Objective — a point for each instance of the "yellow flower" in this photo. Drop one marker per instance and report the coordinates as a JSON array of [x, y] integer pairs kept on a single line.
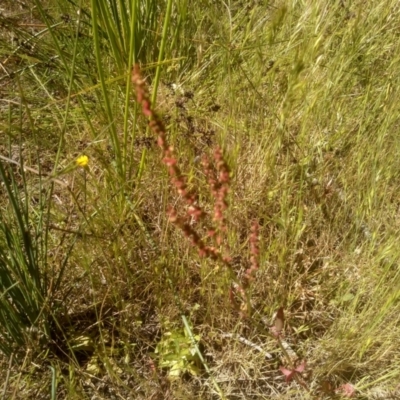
[[82, 161]]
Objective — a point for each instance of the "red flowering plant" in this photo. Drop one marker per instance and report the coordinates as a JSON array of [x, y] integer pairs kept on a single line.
[[218, 177]]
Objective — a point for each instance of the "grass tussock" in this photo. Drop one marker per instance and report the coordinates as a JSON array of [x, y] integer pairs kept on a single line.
[[221, 223]]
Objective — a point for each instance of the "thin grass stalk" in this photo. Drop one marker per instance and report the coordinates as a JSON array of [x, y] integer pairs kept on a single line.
[[10, 363], [60, 53], [167, 21], [70, 86], [53, 383], [63, 129], [108, 19], [131, 60], [96, 11], [66, 64], [126, 33]]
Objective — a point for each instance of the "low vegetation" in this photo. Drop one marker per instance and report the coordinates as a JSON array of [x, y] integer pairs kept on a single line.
[[199, 200]]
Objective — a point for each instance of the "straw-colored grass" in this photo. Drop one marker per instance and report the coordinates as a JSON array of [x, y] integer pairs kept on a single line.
[[111, 300]]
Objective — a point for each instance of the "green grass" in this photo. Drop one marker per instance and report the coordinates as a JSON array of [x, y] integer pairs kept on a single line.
[[95, 281]]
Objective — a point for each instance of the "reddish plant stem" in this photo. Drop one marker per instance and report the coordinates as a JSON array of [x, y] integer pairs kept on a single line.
[[219, 184]]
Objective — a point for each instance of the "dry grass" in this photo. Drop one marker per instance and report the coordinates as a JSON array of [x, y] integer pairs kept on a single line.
[[302, 98]]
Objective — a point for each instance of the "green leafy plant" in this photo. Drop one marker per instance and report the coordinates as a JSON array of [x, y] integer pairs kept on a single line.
[[177, 352]]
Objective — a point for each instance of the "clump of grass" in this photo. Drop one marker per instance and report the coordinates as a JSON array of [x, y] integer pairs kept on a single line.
[[28, 284]]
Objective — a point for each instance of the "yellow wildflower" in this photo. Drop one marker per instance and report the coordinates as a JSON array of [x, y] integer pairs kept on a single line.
[[82, 161]]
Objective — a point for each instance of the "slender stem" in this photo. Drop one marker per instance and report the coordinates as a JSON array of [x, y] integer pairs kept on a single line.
[[161, 53], [7, 377], [100, 68]]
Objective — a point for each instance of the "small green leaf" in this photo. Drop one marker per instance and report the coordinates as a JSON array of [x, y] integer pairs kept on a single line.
[[347, 297]]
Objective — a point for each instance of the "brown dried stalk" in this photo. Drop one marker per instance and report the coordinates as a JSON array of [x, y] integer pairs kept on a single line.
[[219, 182], [255, 255]]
